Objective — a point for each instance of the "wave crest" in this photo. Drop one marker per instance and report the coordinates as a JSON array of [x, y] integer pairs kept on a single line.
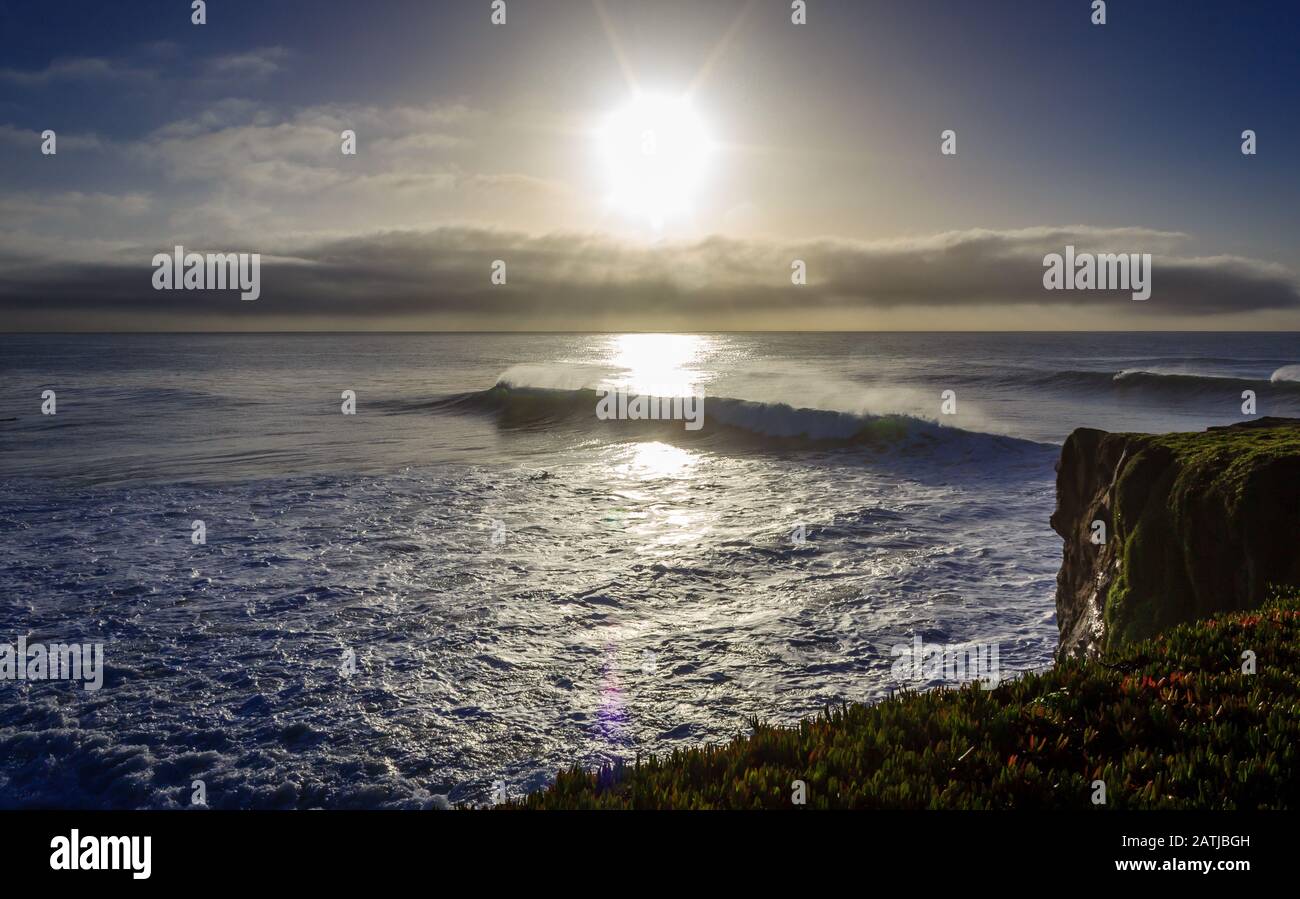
[[1173, 384], [725, 419]]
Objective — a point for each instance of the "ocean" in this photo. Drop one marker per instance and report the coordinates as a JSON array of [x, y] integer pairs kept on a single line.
[[474, 581]]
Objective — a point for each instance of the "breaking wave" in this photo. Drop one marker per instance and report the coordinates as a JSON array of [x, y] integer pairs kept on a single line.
[[759, 424], [1170, 384]]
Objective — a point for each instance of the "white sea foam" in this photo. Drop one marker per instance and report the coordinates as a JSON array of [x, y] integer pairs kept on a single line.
[[478, 661]]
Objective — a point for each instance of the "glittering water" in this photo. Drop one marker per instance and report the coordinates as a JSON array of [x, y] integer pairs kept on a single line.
[[523, 586]]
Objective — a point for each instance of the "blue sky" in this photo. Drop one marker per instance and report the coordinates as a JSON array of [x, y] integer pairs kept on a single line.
[[476, 143]]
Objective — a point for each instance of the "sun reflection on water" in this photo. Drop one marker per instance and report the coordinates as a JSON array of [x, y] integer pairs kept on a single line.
[[655, 459], [660, 364]]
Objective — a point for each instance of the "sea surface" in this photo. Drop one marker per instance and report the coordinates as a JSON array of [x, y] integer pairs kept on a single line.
[[474, 581]]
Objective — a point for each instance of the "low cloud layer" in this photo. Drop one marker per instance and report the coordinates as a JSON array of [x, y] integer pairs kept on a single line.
[[241, 151], [442, 278]]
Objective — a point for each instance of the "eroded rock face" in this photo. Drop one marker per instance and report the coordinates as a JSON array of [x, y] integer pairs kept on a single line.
[[1084, 479], [1195, 524]]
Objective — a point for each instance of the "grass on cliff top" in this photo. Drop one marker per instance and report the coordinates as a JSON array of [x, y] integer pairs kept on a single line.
[[1168, 723], [1180, 498], [1230, 454]]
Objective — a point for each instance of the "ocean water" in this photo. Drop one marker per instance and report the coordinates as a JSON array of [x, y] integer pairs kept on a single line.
[[524, 586]]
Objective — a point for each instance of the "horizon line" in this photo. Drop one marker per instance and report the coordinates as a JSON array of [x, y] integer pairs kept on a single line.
[[663, 331]]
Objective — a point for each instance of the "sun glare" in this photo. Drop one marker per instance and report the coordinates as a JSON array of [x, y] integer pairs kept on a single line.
[[655, 152], [658, 460], [659, 364]]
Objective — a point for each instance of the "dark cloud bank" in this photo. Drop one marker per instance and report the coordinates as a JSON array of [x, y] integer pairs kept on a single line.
[[442, 278]]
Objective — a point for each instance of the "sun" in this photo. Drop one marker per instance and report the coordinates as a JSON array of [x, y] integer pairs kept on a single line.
[[655, 152]]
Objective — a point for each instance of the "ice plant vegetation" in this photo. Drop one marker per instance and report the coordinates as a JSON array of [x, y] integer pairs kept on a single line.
[[1169, 723]]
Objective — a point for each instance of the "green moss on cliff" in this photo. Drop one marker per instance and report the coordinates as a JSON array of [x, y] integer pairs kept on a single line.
[[1225, 458], [1167, 723], [1202, 519]]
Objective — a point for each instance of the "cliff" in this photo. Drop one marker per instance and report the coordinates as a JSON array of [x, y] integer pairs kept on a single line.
[[1194, 524]]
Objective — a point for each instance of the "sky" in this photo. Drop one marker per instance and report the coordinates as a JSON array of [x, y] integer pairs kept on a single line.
[[522, 143]]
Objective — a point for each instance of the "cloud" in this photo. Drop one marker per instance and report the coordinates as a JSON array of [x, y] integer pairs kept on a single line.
[[255, 64], [443, 275], [30, 139], [245, 65], [88, 68], [239, 144], [237, 168], [66, 205]]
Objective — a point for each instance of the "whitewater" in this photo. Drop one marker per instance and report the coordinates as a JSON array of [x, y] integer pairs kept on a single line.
[[524, 586]]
